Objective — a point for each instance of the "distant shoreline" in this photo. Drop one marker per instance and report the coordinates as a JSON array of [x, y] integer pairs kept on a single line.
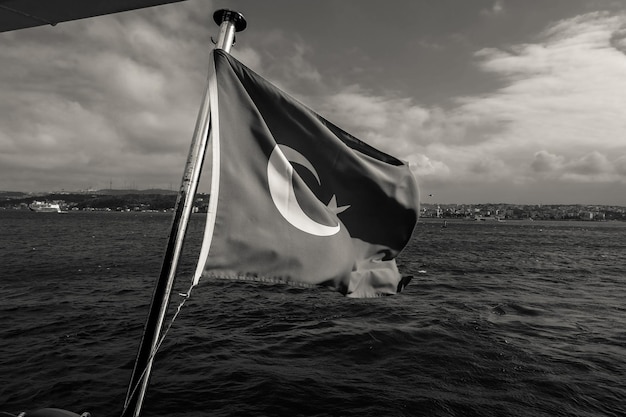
[[165, 200], [530, 222]]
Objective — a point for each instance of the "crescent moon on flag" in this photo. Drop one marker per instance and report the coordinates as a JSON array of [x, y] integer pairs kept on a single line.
[[280, 180]]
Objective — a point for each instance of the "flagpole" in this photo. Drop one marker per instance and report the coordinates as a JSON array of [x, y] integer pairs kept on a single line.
[[229, 22]]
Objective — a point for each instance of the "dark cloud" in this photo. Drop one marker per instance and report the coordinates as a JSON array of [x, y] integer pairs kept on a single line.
[[591, 164], [618, 39], [620, 166], [115, 96], [546, 162]]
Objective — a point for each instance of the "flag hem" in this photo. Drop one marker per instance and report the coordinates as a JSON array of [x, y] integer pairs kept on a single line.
[[214, 138]]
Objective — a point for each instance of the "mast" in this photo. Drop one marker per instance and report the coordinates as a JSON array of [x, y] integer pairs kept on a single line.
[[229, 22]]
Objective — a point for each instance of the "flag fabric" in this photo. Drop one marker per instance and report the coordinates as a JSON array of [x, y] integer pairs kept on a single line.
[[301, 201]]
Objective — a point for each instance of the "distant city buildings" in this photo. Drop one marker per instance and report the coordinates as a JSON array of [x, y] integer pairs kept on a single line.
[[165, 200], [523, 212], [136, 201]]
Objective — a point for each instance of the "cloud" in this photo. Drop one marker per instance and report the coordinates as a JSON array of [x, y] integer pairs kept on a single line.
[[117, 97], [288, 63], [562, 94], [546, 162], [100, 99], [496, 8], [428, 169], [558, 113], [399, 127], [618, 39], [593, 167], [591, 164], [386, 121], [620, 166]]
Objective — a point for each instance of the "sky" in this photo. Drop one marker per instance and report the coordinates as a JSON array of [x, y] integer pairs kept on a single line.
[[494, 101]]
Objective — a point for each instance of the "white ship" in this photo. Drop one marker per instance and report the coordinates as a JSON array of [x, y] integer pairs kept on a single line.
[[42, 206]]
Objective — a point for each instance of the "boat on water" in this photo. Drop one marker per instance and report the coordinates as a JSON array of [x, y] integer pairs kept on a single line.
[[45, 207]]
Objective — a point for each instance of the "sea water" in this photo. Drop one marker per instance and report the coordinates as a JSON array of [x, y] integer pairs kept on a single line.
[[501, 319]]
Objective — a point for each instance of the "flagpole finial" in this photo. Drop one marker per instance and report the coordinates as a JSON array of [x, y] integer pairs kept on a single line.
[[229, 22], [224, 15]]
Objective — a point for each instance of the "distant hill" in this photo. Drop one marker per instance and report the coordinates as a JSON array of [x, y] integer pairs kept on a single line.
[[11, 195], [151, 191], [152, 199]]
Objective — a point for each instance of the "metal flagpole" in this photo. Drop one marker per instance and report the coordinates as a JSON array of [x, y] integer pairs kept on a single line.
[[229, 22]]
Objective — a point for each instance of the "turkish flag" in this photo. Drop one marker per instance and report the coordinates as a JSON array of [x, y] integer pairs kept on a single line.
[[301, 201]]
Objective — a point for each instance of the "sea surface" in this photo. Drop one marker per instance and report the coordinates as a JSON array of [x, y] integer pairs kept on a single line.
[[513, 318]]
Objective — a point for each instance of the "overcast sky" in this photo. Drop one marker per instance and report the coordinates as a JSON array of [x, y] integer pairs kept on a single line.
[[491, 101]]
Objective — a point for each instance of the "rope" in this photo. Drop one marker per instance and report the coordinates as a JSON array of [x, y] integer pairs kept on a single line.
[[186, 296]]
